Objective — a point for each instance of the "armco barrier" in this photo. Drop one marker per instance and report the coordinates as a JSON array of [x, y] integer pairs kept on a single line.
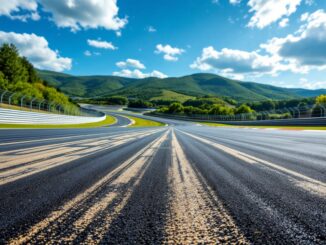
[[313, 121], [8, 116]]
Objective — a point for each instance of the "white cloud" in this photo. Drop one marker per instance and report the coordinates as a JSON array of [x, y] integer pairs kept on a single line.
[[151, 29], [304, 83], [234, 62], [138, 74], [131, 63], [36, 49], [267, 12], [101, 44], [73, 14], [235, 2], [85, 14], [88, 53], [304, 50], [170, 53], [19, 9], [284, 23], [158, 74]]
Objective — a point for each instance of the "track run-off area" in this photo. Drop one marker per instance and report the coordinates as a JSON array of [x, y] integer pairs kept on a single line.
[[178, 184]]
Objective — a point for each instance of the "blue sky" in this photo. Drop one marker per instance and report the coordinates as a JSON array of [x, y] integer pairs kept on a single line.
[[278, 42]]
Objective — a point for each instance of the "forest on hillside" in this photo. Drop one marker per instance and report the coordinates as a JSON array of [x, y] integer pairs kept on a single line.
[[17, 75]]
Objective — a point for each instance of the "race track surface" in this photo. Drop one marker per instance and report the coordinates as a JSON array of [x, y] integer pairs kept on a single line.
[[180, 184]]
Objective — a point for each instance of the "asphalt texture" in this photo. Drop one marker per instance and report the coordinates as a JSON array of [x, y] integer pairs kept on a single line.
[[180, 184]]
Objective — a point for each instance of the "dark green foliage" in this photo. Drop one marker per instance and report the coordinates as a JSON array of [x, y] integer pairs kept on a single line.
[[139, 104], [200, 106], [243, 109], [17, 74], [11, 65], [281, 104], [175, 108], [117, 100], [203, 101], [163, 102]]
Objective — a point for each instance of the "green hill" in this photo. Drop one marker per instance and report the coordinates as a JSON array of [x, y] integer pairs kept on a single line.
[[155, 88]]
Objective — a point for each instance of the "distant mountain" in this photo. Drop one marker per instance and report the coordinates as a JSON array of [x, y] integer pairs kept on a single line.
[[151, 88]]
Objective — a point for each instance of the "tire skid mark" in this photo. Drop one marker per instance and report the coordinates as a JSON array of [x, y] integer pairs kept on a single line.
[[284, 224], [106, 197], [72, 137], [60, 155], [64, 156], [302, 181], [20, 154], [56, 138], [196, 215], [272, 149]]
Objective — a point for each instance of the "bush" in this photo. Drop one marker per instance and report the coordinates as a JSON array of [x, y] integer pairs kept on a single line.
[[139, 104], [176, 108], [117, 100]]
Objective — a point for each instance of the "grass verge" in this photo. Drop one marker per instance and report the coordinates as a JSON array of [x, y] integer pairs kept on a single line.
[[276, 127], [108, 121], [140, 122]]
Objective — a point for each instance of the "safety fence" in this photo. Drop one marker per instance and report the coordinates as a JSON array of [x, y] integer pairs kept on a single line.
[[19, 101], [312, 111]]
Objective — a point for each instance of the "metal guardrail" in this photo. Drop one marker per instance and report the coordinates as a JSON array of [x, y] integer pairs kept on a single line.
[[298, 116], [314, 111], [318, 121], [16, 100]]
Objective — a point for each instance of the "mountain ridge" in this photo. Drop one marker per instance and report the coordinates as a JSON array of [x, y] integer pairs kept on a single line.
[[198, 84]]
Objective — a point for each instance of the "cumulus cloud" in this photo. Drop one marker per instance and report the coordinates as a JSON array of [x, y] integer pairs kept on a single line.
[[300, 52], [234, 62], [131, 63], [284, 23], [88, 53], [138, 74], [151, 29], [305, 83], [73, 14], [36, 49], [19, 9], [235, 2], [101, 44], [170, 53], [266, 12], [306, 48], [84, 14]]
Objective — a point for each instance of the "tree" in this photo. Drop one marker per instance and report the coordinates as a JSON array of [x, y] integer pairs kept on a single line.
[[176, 108], [243, 109], [3, 82], [17, 74], [117, 100], [321, 99], [11, 64], [32, 75], [139, 104], [221, 110]]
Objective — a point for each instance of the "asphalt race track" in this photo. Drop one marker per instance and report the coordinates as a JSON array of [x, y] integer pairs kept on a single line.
[[179, 184]]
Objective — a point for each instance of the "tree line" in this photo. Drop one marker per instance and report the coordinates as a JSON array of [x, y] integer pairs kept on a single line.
[[18, 75]]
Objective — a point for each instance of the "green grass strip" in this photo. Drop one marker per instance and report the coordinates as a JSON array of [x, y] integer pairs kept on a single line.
[[140, 122], [108, 121]]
